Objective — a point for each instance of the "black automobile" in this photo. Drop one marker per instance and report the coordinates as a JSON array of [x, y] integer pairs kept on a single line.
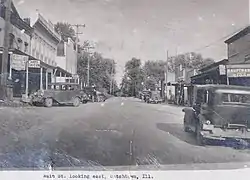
[[219, 115]]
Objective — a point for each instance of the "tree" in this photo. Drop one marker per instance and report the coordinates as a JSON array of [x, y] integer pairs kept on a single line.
[[190, 60], [101, 70], [133, 77], [65, 30]]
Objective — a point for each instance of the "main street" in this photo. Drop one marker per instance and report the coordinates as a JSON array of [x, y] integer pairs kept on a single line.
[[119, 132]]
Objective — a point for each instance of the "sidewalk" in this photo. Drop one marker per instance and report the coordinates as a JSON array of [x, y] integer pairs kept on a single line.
[[16, 102]]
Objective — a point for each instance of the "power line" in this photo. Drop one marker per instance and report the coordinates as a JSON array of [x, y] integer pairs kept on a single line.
[[219, 40]]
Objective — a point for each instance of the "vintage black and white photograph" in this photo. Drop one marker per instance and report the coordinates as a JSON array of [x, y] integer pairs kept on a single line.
[[124, 84]]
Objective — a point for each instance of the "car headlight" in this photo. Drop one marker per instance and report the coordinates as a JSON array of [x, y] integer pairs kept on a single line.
[[208, 122]]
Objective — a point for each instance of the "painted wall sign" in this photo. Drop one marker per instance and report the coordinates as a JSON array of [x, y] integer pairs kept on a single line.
[[239, 72], [18, 62]]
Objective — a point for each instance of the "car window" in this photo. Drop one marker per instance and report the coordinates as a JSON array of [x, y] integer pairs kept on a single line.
[[237, 98]]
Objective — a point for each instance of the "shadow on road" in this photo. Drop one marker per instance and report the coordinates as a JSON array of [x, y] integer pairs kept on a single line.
[[177, 131]]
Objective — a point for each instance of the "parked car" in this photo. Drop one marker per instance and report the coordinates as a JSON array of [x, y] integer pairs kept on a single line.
[[220, 114], [58, 93], [154, 97]]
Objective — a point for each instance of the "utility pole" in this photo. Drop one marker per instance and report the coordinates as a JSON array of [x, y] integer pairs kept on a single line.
[[77, 36], [4, 70], [78, 33], [166, 80], [111, 79]]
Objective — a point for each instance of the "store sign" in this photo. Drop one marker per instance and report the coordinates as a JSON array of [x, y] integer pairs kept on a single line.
[[222, 69], [239, 72], [18, 62], [34, 64]]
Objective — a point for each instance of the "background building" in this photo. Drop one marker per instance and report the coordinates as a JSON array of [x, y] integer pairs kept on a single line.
[[67, 58]]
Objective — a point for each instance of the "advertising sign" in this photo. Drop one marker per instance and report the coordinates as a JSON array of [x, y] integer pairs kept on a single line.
[[18, 62], [34, 64], [238, 72], [222, 69]]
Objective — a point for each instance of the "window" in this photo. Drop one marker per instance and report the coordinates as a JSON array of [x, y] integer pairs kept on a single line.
[[26, 47], [11, 40], [235, 98]]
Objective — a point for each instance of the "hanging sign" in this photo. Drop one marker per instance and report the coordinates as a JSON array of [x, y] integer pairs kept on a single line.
[[34, 64]]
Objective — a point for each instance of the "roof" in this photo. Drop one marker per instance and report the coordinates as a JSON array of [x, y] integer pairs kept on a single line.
[[221, 62], [238, 35], [221, 86]]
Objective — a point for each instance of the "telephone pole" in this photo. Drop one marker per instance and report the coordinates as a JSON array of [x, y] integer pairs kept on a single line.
[[77, 39], [5, 57], [78, 26], [166, 80]]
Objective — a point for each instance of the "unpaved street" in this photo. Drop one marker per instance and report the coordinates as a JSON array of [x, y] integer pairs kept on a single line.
[[115, 133]]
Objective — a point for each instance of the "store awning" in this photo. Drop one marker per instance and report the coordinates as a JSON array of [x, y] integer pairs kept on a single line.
[[59, 69]]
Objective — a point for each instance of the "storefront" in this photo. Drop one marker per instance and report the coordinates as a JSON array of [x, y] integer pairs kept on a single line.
[[212, 74]]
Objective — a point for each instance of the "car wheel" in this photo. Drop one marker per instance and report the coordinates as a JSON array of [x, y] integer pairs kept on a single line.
[[199, 139], [48, 102], [76, 102]]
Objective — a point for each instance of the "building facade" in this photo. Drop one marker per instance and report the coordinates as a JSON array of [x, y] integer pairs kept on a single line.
[[44, 43], [67, 58], [19, 48], [238, 68]]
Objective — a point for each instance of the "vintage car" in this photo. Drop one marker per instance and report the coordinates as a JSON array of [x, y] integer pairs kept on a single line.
[[154, 97], [220, 115], [59, 93]]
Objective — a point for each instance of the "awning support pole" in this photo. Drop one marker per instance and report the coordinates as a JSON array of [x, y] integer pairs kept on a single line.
[[46, 85], [41, 78], [27, 80]]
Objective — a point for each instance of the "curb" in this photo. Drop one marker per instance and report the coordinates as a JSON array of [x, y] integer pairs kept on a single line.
[[14, 104]]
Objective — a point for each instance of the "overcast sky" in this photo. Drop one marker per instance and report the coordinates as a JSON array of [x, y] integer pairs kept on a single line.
[[147, 28]]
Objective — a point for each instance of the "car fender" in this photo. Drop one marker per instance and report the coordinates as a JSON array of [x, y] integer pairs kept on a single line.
[[189, 113]]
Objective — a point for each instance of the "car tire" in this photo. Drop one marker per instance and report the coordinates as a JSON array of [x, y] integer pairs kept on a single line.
[[199, 139], [48, 102], [76, 102]]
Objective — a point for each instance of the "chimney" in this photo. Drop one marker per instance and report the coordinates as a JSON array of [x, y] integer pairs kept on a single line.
[[27, 20]]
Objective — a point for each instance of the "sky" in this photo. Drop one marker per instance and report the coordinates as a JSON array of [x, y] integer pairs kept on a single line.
[[147, 29]]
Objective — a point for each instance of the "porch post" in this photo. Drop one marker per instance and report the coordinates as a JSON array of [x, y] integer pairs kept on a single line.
[[10, 74], [27, 80], [46, 86], [41, 78]]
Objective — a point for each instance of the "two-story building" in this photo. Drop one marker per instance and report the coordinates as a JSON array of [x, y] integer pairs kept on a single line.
[[67, 59], [44, 43], [238, 68], [19, 48]]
